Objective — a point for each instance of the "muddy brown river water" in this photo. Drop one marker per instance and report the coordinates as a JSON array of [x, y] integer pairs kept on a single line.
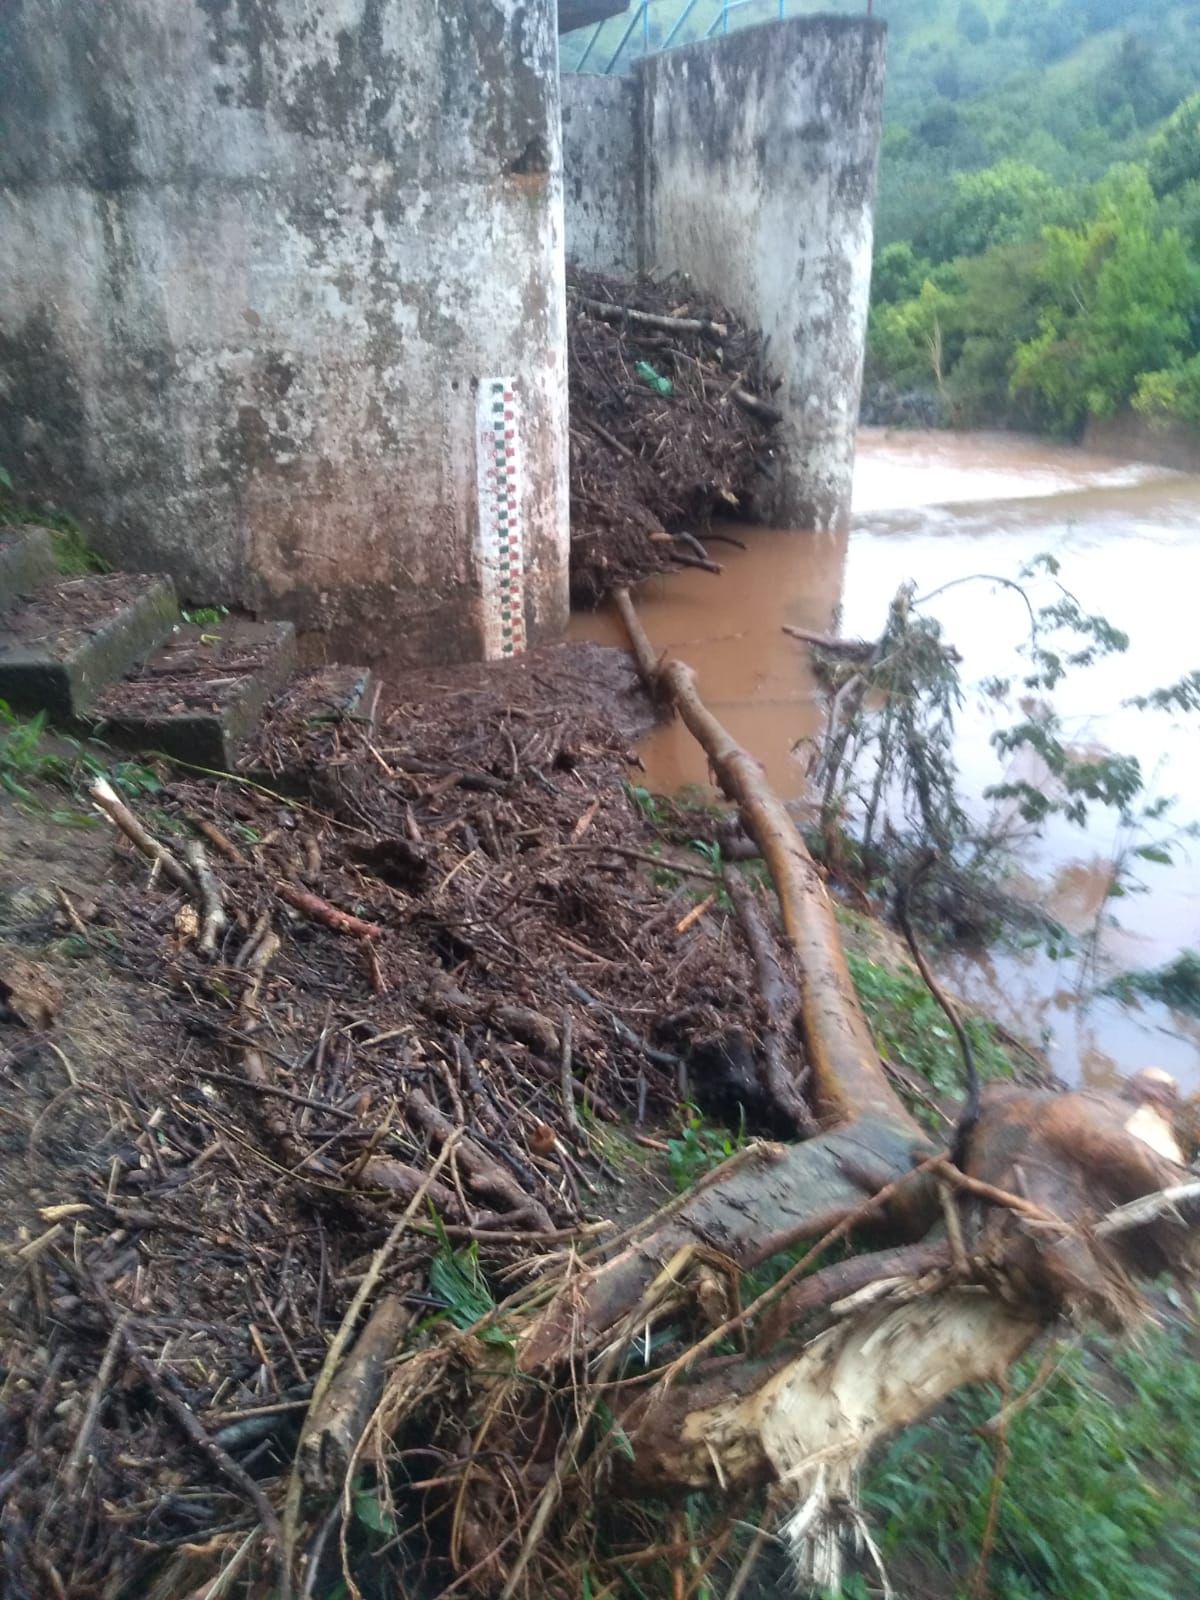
[[935, 507]]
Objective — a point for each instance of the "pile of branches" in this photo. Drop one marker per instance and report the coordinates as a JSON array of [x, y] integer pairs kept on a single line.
[[671, 422], [420, 971], [432, 985]]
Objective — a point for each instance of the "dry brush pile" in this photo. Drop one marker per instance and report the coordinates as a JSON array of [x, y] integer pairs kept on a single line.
[[671, 424], [438, 941], [338, 1298]]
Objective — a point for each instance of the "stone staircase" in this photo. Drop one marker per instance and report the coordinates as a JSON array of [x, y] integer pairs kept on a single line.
[[110, 655]]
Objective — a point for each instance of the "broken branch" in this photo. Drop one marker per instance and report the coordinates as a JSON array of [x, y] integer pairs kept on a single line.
[[318, 910], [105, 799], [653, 319]]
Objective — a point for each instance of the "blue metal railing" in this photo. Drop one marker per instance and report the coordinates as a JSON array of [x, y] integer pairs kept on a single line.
[[647, 30]]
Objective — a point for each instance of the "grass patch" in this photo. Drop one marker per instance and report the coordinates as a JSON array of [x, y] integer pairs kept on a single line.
[[1099, 1495], [30, 754], [911, 1029]]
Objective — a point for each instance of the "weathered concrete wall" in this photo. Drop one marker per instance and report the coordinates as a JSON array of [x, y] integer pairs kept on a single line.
[[760, 153], [255, 256], [602, 170]]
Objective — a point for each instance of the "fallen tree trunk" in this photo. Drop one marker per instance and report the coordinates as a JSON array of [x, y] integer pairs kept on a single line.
[[1027, 1241], [848, 1079], [785, 1194], [774, 1197], [808, 1425]]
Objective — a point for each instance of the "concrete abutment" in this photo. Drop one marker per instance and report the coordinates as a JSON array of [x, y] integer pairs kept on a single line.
[[755, 159], [256, 260], [282, 312]]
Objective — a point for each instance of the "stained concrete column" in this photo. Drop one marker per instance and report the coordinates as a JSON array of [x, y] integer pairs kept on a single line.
[[602, 171], [257, 258], [760, 152]]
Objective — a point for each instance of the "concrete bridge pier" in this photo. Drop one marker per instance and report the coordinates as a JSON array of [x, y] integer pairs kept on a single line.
[[282, 310], [750, 162]]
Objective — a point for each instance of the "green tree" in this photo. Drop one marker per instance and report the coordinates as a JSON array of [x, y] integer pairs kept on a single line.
[[1174, 152], [1121, 296], [1173, 393], [1005, 202], [998, 307], [906, 341], [897, 274]]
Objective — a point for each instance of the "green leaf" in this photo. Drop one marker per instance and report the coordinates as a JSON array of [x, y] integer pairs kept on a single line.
[[455, 1278], [1155, 852], [371, 1514], [612, 1430]]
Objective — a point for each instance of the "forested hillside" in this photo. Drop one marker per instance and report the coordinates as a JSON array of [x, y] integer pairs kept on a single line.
[[1038, 228], [1038, 243]]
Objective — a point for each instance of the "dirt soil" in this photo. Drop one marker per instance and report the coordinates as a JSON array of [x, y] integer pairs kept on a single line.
[[203, 1150]]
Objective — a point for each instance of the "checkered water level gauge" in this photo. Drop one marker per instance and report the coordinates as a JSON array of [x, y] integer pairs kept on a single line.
[[501, 536]]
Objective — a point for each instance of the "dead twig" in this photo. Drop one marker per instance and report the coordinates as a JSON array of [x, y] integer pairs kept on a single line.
[[212, 911], [95, 1400], [337, 1349], [318, 910], [105, 799], [851, 649], [192, 1428], [652, 319], [1172, 1202]]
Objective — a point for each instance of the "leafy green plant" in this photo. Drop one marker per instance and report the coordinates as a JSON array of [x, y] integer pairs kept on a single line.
[[651, 806], [912, 1032], [1176, 985], [205, 616], [455, 1278], [30, 754], [890, 782], [699, 1148], [1098, 1495]]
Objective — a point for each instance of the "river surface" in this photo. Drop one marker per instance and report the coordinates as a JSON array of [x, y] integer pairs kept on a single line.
[[934, 507]]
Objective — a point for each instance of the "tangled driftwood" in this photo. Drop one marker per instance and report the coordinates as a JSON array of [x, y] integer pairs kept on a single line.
[[622, 1365], [670, 425]]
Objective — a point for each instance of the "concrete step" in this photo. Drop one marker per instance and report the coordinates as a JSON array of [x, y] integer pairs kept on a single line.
[[61, 646], [199, 696], [26, 563]]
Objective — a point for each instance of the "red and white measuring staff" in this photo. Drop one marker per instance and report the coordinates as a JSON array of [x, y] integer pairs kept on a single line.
[[501, 535]]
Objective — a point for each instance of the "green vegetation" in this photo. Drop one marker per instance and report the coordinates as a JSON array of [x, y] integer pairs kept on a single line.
[[74, 555], [699, 1147], [1176, 985], [31, 755], [1039, 221], [1110, 1437], [911, 1031], [456, 1279]]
